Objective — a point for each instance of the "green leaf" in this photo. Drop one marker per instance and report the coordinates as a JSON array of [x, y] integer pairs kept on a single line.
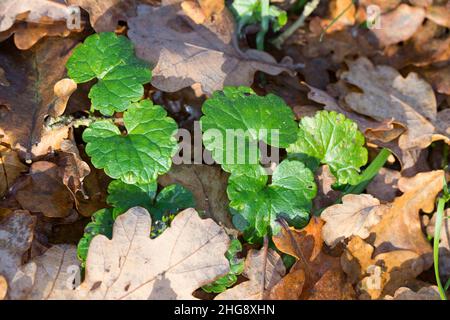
[[122, 196], [110, 59], [236, 268], [236, 119], [250, 12], [256, 206], [171, 200], [141, 155], [330, 138], [102, 223]]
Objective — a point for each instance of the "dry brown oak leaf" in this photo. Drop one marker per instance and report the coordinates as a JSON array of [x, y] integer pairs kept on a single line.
[[388, 95], [32, 92], [355, 216], [10, 168], [30, 21], [208, 185], [188, 255], [16, 235], [264, 269], [323, 276], [184, 53]]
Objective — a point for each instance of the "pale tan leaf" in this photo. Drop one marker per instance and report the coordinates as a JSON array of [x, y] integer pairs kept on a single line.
[[16, 234], [355, 216], [259, 277], [185, 53], [425, 293], [189, 254]]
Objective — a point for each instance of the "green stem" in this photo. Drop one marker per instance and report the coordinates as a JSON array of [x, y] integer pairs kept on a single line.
[[309, 8], [437, 238], [264, 25], [370, 172]]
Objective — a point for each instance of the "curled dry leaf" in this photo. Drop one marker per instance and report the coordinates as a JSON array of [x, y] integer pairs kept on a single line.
[[13, 247], [355, 216], [10, 168], [29, 97], [43, 190], [204, 54], [400, 226], [208, 184], [399, 24], [259, 277], [324, 278], [188, 255], [30, 21], [383, 274], [425, 293], [387, 95]]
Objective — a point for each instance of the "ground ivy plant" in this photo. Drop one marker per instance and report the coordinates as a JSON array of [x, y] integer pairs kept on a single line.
[[135, 154], [257, 202]]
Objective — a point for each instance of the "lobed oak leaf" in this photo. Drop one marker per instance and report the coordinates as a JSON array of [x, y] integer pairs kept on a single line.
[[188, 255]]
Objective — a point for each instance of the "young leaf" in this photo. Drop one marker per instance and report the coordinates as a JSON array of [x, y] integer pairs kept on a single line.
[[102, 223], [331, 139], [141, 155], [236, 268], [250, 12], [235, 119], [110, 59], [257, 206]]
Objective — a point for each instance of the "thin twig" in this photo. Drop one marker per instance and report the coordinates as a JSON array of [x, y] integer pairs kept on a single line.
[[309, 8]]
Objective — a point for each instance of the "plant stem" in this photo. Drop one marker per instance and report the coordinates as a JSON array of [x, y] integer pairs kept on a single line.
[[335, 19], [370, 172], [309, 8], [437, 237], [264, 25]]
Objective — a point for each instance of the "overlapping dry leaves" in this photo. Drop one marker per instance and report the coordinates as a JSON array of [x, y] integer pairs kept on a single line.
[[393, 81]]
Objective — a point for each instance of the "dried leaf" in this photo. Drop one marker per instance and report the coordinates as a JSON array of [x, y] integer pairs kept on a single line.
[[203, 54], [208, 184], [384, 186], [355, 216], [189, 254], [13, 246], [289, 287], [259, 277], [10, 168], [30, 97], [399, 25], [43, 191], [3, 287], [425, 293], [326, 195]]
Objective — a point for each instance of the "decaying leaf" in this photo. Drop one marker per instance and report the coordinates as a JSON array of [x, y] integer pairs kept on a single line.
[[355, 216], [10, 168], [185, 53], [13, 247], [425, 293], [208, 184], [384, 185], [53, 275], [326, 195], [30, 96], [400, 226], [387, 95], [264, 269], [30, 21], [43, 190], [324, 277], [399, 24], [189, 254]]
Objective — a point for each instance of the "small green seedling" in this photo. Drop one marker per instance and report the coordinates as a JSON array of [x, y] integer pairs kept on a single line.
[[250, 12], [236, 268]]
